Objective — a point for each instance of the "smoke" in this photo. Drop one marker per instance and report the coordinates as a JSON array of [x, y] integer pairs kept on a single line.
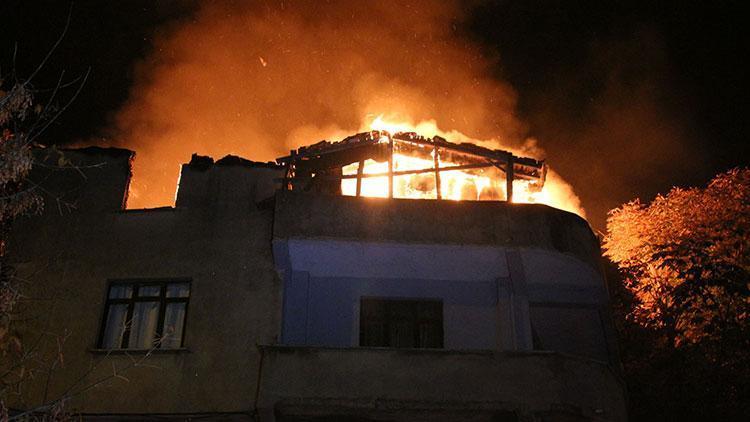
[[259, 79], [630, 136]]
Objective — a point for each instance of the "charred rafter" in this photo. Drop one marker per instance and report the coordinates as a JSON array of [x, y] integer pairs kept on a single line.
[[320, 164]]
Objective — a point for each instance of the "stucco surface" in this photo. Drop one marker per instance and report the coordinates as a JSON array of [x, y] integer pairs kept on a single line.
[[433, 221], [526, 383], [485, 270], [70, 257]]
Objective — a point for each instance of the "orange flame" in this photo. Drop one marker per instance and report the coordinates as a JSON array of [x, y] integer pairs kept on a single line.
[[477, 185], [291, 73]]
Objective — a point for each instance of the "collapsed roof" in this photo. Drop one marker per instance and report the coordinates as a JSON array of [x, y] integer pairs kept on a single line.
[[319, 166]]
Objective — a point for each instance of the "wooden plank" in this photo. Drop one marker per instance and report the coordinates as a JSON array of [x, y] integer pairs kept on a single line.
[[463, 148], [360, 170], [509, 176], [436, 158], [325, 155], [390, 167], [407, 172]]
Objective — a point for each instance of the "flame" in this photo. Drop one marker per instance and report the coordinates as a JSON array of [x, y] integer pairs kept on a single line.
[[474, 185], [291, 73], [455, 185], [379, 123]]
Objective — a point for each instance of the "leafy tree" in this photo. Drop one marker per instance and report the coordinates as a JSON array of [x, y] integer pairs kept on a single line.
[[684, 261], [686, 257]]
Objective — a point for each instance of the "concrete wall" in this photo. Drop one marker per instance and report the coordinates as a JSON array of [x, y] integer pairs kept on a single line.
[[499, 290], [421, 385], [329, 278], [300, 215], [234, 304], [230, 182]]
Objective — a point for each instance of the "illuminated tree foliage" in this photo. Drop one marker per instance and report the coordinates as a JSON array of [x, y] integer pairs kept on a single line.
[[684, 260], [686, 257]]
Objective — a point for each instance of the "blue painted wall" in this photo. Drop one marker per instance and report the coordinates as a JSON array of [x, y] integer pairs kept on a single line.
[[321, 305], [486, 291], [325, 311]]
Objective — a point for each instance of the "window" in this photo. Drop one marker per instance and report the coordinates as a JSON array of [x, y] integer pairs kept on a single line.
[[574, 329], [401, 323], [145, 315]]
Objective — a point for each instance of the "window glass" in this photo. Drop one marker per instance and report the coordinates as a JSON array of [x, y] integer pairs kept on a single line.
[[115, 326], [402, 334], [145, 315], [174, 319], [372, 308], [120, 291], [430, 335], [372, 333], [401, 323], [143, 326], [149, 291], [577, 331], [178, 290]]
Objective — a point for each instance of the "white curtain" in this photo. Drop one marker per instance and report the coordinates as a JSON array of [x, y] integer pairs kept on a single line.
[[174, 319], [143, 329], [115, 326]]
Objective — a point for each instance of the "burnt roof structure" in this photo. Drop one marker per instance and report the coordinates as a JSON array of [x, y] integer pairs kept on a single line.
[[319, 166]]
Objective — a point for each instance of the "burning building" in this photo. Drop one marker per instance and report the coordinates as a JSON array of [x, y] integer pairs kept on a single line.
[[315, 288]]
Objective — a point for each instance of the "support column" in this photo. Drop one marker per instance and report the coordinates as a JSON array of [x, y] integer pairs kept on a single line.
[[437, 172], [360, 170], [390, 167], [509, 176]]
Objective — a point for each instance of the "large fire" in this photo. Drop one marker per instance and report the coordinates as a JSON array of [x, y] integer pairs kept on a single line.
[[287, 73], [456, 184], [476, 184]]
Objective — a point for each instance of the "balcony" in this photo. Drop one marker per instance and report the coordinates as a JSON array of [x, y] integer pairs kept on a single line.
[[363, 384]]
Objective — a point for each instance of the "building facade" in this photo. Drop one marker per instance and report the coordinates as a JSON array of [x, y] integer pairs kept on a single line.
[[247, 302]]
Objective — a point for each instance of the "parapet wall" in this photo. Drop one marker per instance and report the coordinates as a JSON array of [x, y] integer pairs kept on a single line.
[[307, 215], [89, 180], [231, 181], [94, 180]]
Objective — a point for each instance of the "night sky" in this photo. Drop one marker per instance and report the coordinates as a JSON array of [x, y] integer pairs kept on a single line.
[[627, 98]]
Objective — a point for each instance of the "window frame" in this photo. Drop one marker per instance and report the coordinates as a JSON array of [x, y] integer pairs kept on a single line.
[[415, 320], [162, 300]]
